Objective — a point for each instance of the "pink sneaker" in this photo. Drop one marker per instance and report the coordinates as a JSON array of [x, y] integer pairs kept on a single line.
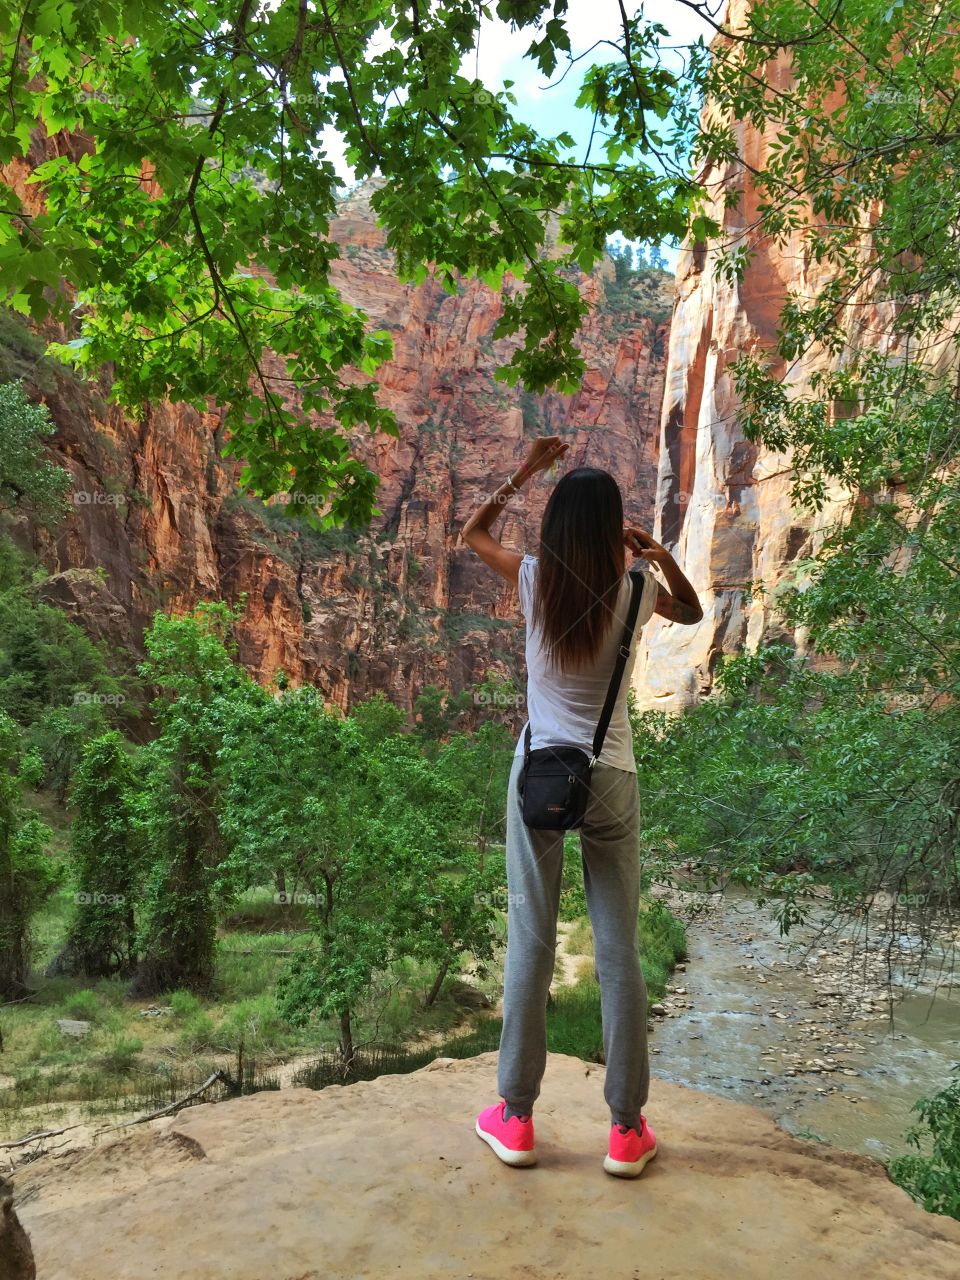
[[511, 1139], [629, 1152]]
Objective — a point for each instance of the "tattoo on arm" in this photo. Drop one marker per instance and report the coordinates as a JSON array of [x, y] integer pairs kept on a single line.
[[674, 610]]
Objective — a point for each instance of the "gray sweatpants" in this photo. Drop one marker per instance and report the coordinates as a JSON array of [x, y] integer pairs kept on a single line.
[[611, 879]]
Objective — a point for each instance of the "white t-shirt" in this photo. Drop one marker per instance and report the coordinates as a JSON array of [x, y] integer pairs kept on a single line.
[[564, 707]]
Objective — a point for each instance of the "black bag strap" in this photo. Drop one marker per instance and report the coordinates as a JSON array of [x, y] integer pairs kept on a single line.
[[623, 653]]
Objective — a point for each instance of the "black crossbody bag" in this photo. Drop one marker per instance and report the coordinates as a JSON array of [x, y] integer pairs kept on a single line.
[[554, 783]]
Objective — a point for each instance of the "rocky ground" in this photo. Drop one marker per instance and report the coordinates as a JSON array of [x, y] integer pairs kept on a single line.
[[388, 1178]]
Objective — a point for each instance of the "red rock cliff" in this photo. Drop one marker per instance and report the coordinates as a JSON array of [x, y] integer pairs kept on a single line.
[[403, 606], [723, 504]]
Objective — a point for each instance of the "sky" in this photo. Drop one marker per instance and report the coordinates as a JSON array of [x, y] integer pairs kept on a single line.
[[549, 106]]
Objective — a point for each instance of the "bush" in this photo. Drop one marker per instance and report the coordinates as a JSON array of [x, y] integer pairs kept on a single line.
[[120, 1056], [185, 1005], [934, 1180], [83, 1006], [257, 1022], [200, 1032]]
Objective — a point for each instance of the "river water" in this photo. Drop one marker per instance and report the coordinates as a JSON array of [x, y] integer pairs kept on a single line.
[[805, 1027]]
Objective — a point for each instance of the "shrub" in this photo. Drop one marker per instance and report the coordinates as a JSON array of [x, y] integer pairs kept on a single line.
[[84, 1006], [120, 1056], [934, 1180], [185, 1005], [199, 1032]]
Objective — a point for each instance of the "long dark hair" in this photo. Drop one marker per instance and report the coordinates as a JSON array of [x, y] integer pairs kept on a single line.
[[582, 562]]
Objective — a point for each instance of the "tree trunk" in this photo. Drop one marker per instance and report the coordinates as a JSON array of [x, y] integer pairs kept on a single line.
[[346, 1040], [438, 983]]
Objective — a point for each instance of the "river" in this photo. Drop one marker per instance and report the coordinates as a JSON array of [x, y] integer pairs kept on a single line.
[[804, 1027]]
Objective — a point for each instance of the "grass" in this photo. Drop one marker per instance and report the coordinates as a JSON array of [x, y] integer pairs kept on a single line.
[[139, 1055], [574, 1021], [810, 1135], [663, 942], [661, 938], [573, 1027]]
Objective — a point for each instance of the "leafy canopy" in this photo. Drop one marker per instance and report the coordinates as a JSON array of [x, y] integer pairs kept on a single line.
[[189, 215]]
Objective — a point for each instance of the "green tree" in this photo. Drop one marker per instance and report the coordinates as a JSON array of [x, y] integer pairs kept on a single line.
[[185, 282], [200, 690], [437, 712], [27, 875], [303, 798], [47, 661], [28, 480], [622, 262], [378, 718], [106, 863], [852, 777], [478, 766], [933, 1179], [451, 914], [363, 833], [792, 780], [657, 261], [55, 681], [53, 678]]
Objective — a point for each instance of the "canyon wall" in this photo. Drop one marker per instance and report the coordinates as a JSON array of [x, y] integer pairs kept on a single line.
[[402, 605], [723, 504]]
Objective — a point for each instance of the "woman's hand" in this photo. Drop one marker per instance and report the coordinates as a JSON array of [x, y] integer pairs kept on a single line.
[[642, 544], [543, 453], [677, 602]]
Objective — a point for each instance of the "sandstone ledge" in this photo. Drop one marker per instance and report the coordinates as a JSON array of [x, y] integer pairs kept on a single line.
[[387, 1178]]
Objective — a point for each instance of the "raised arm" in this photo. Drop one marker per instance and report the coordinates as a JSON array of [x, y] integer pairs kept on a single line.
[[679, 604], [476, 532]]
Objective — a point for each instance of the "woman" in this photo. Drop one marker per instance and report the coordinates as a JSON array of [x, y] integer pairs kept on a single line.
[[575, 598]]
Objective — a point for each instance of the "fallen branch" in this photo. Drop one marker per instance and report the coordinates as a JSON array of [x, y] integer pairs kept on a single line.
[[35, 1137], [22, 1000], [174, 1106]]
